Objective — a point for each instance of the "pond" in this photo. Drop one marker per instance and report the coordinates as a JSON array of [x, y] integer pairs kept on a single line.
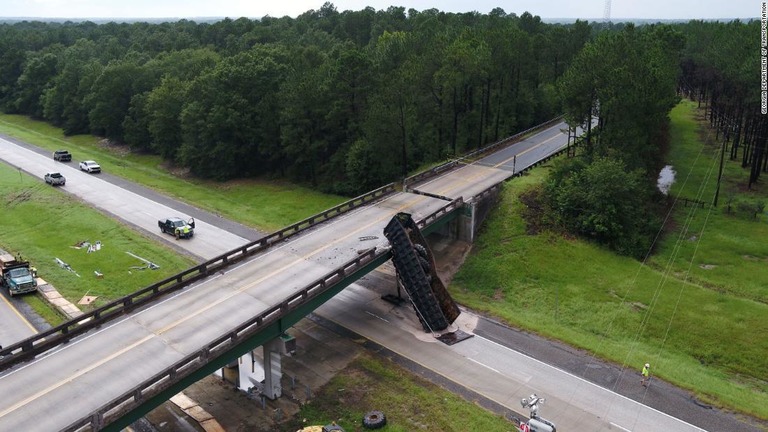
[[666, 178]]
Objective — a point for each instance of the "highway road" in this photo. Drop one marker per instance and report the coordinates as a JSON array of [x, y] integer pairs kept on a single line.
[[13, 325], [124, 204], [125, 352]]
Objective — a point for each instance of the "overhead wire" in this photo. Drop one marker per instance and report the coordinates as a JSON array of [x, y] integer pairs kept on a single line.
[[632, 284]]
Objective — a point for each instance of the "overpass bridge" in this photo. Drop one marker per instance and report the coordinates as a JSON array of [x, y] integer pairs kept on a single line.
[[150, 345]]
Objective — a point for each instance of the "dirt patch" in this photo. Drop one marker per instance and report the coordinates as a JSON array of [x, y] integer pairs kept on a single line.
[[707, 266], [753, 258], [176, 171], [534, 211], [449, 255], [18, 198], [114, 147]]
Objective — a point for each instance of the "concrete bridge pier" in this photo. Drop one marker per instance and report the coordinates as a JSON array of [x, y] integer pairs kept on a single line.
[[273, 352], [470, 217], [273, 371], [461, 227]]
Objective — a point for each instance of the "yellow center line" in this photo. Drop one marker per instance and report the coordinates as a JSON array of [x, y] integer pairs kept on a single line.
[[23, 319], [302, 258], [73, 377], [451, 182]]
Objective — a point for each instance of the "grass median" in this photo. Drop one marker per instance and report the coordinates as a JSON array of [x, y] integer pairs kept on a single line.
[[47, 227]]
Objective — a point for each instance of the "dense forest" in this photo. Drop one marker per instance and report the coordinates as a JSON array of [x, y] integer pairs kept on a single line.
[[345, 101], [720, 68], [628, 80], [348, 101]]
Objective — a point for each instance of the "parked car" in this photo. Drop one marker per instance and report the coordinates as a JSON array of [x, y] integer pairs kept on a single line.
[[62, 156], [55, 179], [90, 166]]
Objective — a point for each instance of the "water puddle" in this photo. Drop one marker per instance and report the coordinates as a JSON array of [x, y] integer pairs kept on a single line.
[[666, 178]]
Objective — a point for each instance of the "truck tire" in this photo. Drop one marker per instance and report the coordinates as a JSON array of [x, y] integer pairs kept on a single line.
[[374, 420], [421, 250]]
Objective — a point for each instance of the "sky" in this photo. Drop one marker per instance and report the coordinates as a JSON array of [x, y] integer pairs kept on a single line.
[[585, 9]]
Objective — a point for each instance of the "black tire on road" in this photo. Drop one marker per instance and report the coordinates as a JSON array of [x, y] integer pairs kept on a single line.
[[374, 420]]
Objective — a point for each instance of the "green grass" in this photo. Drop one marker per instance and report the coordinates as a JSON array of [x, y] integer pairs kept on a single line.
[[47, 224], [731, 252], [263, 204], [703, 331], [409, 402]]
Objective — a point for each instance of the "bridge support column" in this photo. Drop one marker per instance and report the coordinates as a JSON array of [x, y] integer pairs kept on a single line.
[[273, 370], [462, 227], [465, 229]]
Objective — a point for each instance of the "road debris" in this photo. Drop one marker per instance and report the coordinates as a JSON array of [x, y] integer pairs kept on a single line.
[[66, 266], [149, 264]]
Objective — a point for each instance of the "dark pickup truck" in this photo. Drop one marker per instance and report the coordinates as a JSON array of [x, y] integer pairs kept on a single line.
[[177, 227], [62, 156]]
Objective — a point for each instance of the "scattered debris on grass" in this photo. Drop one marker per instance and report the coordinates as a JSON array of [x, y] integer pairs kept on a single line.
[[66, 266], [91, 247], [86, 300], [149, 264]]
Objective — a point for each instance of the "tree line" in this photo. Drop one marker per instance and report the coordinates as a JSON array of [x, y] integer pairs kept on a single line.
[[625, 84], [720, 69], [345, 101]]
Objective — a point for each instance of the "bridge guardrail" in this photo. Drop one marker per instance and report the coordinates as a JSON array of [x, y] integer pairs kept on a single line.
[[189, 364], [442, 211], [186, 366], [65, 332], [432, 172]]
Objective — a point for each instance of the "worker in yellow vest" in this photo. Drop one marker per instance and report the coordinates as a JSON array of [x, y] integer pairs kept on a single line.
[[646, 373]]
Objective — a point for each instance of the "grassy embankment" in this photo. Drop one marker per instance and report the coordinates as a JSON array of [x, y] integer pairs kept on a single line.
[[44, 223], [697, 311], [31, 207]]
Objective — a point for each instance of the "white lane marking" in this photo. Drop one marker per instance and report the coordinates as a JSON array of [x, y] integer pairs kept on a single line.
[[483, 365], [592, 384], [620, 427], [376, 316]]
